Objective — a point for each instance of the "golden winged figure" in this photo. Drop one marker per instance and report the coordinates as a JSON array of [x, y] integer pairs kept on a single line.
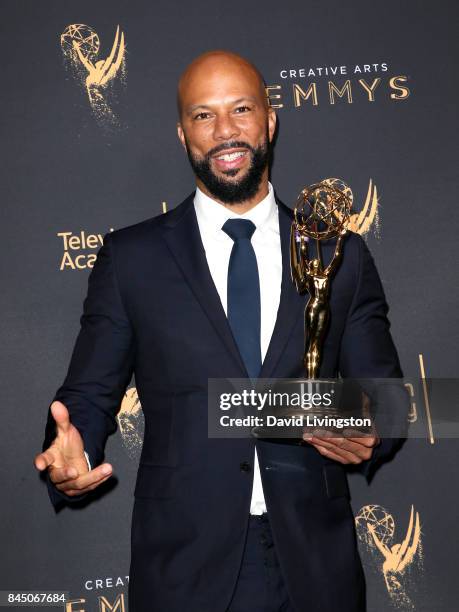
[[102, 72], [362, 221], [398, 556], [316, 217]]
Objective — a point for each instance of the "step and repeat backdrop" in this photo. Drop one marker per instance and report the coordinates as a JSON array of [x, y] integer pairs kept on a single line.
[[366, 92]]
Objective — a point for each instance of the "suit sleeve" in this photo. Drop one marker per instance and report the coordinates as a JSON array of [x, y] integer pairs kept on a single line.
[[101, 365], [368, 352]]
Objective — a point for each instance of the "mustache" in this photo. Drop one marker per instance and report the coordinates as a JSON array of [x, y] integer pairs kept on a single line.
[[234, 144]]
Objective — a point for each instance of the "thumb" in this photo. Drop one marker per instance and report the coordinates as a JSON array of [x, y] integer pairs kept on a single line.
[[61, 416]]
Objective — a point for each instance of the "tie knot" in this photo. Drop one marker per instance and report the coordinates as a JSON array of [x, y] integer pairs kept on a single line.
[[239, 228]]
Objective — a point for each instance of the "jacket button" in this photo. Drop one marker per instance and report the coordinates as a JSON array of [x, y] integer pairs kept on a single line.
[[245, 466]]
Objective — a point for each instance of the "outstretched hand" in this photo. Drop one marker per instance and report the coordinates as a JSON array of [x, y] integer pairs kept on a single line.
[[65, 459]]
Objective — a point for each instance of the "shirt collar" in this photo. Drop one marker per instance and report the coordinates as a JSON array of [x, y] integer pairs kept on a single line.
[[212, 215]]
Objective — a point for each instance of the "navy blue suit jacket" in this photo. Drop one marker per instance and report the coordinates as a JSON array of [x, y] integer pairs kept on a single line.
[[152, 309]]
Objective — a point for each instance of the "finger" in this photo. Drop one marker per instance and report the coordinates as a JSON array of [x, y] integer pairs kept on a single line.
[[94, 477], [61, 416], [323, 433], [78, 488], [326, 452], [45, 459], [337, 447], [345, 446], [352, 432], [73, 492], [62, 474], [369, 441], [362, 451]]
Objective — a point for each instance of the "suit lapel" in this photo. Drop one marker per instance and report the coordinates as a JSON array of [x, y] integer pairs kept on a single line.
[[290, 305], [184, 241], [181, 233]]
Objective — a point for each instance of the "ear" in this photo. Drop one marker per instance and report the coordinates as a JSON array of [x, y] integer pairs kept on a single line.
[[181, 134], [272, 120]]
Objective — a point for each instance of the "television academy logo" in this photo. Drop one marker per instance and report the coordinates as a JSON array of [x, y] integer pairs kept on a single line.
[[80, 46], [79, 249]]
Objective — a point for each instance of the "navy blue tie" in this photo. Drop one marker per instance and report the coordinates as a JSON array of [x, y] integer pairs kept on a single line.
[[243, 307]]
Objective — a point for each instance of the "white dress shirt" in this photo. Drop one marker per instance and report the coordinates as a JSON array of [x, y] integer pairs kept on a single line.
[[217, 244]]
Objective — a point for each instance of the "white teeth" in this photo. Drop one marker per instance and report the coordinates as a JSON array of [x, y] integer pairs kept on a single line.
[[231, 156]]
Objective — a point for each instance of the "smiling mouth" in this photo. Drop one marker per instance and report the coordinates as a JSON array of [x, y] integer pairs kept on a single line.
[[230, 160], [229, 157]]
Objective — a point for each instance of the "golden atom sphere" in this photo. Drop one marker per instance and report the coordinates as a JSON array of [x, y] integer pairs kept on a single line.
[[84, 36], [323, 209]]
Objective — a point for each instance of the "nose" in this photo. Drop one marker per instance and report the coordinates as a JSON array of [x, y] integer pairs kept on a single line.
[[225, 128]]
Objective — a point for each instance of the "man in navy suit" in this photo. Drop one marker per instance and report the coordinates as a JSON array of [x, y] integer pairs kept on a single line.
[[204, 291]]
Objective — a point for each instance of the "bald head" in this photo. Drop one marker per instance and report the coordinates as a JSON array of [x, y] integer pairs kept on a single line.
[[215, 70], [226, 126]]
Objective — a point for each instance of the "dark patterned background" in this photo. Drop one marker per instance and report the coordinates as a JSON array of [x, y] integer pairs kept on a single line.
[[67, 169]]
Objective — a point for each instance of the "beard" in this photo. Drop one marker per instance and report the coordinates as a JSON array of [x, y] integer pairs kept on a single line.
[[232, 191]]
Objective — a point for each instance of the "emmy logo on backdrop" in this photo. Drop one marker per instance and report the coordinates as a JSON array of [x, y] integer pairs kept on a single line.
[[376, 529], [131, 423], [366, 219], [80, 46]]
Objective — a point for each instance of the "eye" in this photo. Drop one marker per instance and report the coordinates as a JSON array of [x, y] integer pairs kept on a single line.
[[242, 109], [201, 116]]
